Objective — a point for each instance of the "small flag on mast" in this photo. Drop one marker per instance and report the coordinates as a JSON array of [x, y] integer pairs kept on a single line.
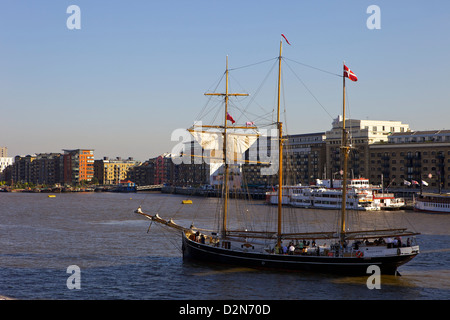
[[285, 39], [230, 118], [349, 74]]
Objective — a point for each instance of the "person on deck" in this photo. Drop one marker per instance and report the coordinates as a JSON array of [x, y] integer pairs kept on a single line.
[[291, 249]]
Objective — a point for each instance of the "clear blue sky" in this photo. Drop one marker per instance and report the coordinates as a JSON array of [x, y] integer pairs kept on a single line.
[[137, 70]]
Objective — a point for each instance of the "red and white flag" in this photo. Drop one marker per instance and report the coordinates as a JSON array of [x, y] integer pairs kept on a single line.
[[230, 118], [285, 39], [349, 74]]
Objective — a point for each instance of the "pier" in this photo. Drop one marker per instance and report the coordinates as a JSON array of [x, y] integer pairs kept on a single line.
[[153, 187], [254, 193]]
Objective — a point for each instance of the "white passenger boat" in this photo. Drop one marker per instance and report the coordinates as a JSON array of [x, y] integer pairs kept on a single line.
[[433, 202], [327, 194]]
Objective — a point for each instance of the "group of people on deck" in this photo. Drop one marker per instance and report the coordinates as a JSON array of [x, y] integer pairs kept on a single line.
[[198, 237], [298, 248], [395, 242]]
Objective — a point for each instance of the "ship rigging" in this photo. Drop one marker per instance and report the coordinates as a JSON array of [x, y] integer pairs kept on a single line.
[[346, 252]]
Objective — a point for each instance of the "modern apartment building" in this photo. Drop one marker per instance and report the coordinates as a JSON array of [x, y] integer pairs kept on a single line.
[[78, 165], [72, 167], [22, 168], [47, 169], [361, 134], [112, 171]]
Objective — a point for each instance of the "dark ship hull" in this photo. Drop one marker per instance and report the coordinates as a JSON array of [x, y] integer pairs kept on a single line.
[[323, 264]]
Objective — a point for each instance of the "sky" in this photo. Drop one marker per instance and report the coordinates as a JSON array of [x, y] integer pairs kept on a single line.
[[137, 70]]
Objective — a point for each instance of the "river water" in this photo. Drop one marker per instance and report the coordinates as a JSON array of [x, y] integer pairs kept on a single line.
[[41, 236]]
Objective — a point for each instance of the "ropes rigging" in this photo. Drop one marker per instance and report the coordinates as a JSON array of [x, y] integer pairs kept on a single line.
[[245, 113], [267, 119], [318, 69], [310, 92]]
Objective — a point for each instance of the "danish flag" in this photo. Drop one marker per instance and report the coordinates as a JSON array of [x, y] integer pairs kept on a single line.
[[349, 74]]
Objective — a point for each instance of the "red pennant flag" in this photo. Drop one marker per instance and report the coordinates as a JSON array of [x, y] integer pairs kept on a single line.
[[285, 39], [349, 74], [230, 118]]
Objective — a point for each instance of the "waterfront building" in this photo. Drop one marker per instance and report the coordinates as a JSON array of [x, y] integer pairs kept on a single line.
[[142, 174], [408, 158], [21, 171], [362, 134], [78, 165], [185, 174], [47, 168], [4, 163], [192, 166], [258, 171], [303, 160], [112, 171], [163, 170], [53, 168], [305, 156]]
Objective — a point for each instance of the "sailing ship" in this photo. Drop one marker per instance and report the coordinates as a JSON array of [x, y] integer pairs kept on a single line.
[[342, 251]]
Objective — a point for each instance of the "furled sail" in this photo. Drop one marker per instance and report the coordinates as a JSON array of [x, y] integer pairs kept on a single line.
[[237, 143]]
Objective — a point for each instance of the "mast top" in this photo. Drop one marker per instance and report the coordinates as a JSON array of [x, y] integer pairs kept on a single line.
[[226, 94]]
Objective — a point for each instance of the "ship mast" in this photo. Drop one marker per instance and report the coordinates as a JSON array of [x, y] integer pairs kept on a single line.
[[225, 160], [344, 151], [280, 153]]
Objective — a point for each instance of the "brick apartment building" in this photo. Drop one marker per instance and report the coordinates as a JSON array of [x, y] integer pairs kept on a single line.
[[78, 165]]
